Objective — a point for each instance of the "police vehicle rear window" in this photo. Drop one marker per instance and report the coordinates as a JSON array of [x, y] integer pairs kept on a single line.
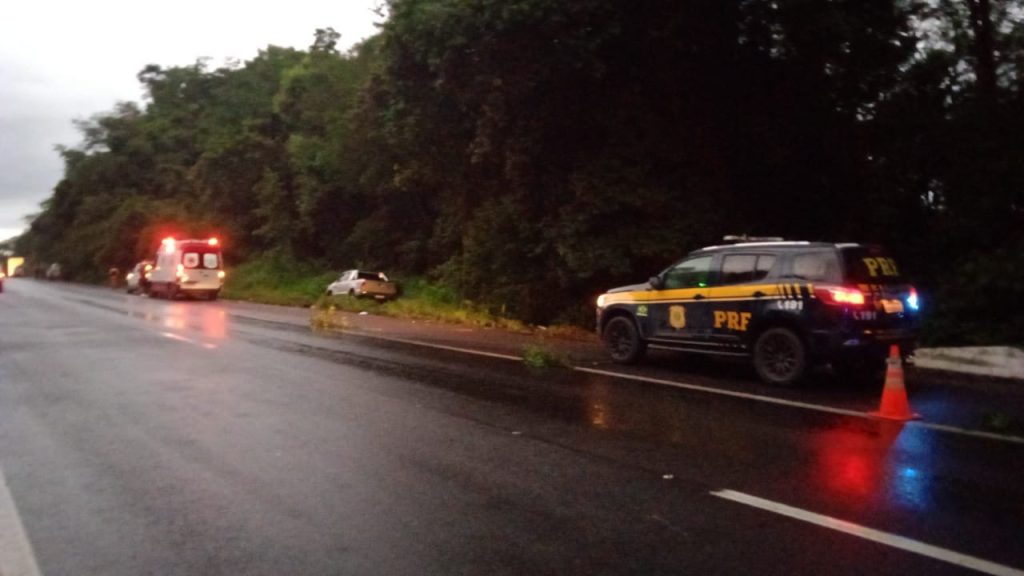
[[870, 265], [815, 266]]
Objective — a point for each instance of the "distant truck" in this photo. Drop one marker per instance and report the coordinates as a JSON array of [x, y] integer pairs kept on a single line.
[[187, 268], [14, 263], [360, 283]]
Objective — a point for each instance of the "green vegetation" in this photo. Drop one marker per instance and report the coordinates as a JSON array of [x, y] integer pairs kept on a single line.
[[527, 154], [277, 279], [536, 356], [424, 300], [327, 318]]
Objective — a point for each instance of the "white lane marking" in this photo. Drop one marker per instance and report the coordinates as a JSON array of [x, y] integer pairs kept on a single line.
[[718, 391], [803, 405], [177, 337], [443, 347], [187, 340], [967, 432], [893, 540], [16, 555]]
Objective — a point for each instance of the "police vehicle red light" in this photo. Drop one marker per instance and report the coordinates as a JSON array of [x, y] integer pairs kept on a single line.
[[840, 296]]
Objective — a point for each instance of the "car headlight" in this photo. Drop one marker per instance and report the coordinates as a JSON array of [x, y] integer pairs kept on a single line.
[[601, 300]]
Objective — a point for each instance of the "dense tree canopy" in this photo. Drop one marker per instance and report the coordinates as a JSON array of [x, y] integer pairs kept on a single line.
[[530, 153]]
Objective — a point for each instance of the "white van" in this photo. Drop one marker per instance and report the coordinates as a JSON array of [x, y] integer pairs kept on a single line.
[[188, 267]]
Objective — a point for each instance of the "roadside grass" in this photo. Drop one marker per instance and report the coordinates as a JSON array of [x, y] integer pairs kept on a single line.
[[423, 300], [276, 279], [537, 356], [327, 319]]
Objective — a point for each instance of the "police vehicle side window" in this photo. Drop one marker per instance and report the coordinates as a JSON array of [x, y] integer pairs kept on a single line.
[[815, 266], [742, 268], [692, 273], [738, 268]]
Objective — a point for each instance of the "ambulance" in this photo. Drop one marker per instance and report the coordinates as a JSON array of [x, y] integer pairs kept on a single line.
[[187, 268]]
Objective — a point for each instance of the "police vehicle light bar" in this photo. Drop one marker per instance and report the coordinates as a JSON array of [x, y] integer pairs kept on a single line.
[[745, 238]]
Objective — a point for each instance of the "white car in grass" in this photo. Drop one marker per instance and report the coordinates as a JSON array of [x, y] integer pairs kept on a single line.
[[360, 283]]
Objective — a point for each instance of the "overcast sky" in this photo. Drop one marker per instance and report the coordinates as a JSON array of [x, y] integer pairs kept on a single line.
[[67, 59]]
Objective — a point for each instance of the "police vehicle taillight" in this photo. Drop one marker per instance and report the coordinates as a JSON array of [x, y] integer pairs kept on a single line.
[[839, 295], [912, 300]]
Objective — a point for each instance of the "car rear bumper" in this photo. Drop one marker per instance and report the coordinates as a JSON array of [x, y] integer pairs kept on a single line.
[[858, 342]]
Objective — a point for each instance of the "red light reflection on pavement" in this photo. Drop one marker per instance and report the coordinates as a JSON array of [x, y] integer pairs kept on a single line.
[[211, 321], [851, 462], [214, 322], [175, 316], [869, 463]]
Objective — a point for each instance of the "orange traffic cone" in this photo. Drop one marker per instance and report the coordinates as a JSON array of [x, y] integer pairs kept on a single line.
[[894, 396]]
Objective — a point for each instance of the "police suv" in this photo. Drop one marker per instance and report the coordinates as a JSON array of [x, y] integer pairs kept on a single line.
[[784, 305]]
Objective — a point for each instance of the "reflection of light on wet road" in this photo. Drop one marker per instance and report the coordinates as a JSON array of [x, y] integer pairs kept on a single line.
[[913, 486], [175, 317], [598, 405], [865, 465], [850, 461], [213, 322], [187, 340]]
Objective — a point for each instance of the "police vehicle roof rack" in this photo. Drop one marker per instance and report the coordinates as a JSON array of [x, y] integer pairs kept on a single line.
[[735, 239]]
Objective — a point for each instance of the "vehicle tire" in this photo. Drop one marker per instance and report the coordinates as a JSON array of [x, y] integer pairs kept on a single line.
[[623, 340], [780, 357], [352, 293]]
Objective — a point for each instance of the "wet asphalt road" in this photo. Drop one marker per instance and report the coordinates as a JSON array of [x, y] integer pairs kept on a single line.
[[141, 436]]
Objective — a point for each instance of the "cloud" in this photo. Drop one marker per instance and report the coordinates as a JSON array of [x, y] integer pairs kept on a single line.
[[62, 60]]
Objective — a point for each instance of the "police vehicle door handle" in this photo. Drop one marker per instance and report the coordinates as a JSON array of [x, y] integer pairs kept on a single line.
[[698, 297], [758, 294]]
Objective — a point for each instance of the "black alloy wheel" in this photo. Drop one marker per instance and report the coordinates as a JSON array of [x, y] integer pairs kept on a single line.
[[623, 340], [780, 357]]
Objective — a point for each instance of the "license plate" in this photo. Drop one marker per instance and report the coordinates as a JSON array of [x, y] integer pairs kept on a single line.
[[892, 306]]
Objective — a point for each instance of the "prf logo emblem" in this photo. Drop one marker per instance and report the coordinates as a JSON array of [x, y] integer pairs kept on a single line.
[[641, 310], [677, 317], [883, 266]]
